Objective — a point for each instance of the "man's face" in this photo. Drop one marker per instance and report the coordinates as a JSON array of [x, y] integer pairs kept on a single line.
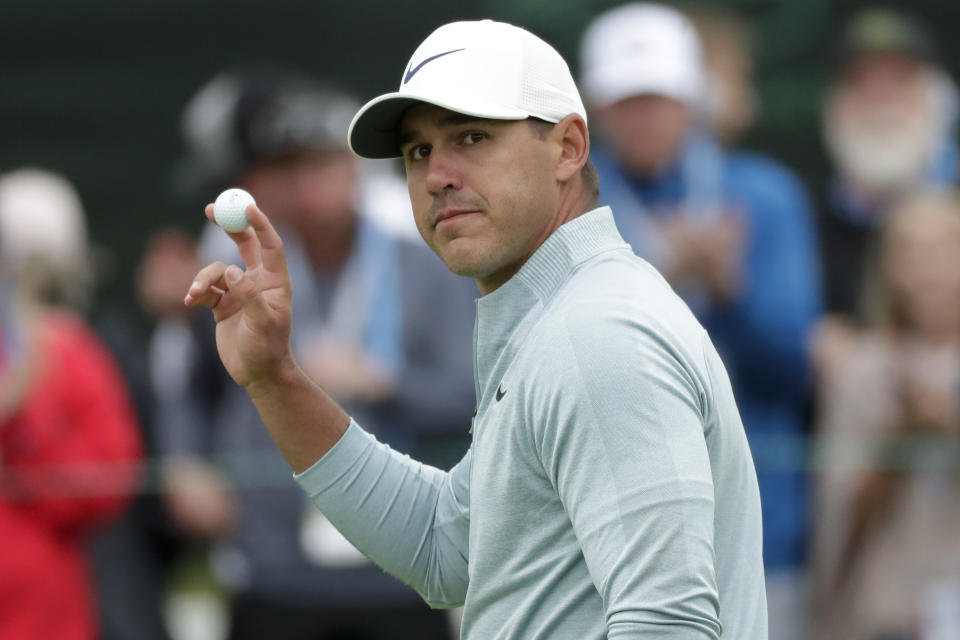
[[646, 131], [307, 189], [885, 78], [484, 192], [881, 120]]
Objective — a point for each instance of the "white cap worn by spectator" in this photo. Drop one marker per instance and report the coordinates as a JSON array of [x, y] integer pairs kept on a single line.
[[640, 49], [42, 225], [486, 69]]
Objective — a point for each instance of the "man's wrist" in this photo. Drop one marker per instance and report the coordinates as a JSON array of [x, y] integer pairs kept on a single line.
[[302, 419], [285, 376]]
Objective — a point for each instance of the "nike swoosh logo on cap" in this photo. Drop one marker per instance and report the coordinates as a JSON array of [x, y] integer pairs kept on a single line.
[[413, 72]]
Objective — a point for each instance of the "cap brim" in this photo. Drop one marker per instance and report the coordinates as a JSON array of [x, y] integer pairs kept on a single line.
[[374, 132]]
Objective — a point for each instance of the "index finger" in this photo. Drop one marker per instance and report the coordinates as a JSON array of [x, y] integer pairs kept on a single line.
[[248, 246], [270, 244]]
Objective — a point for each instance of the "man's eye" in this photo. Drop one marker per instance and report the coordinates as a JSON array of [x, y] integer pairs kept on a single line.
[[473, 138], [419, 152]]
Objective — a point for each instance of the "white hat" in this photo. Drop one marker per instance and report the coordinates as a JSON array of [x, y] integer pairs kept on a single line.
[[486, 69], [43, 237], [41, 217], [641, 49]]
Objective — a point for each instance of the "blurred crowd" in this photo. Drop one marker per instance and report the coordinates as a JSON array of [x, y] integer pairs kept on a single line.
[[835, 305]]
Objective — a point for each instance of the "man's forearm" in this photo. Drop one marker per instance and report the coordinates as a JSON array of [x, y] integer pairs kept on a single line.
[[411, 519], [303, 420]]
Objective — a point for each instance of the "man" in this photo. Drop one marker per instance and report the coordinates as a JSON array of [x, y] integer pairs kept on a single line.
[[889, 123], [733, 233], [364, 331], [609, 490]]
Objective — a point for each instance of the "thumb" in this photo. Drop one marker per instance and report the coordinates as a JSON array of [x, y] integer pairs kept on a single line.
[[243, 287]]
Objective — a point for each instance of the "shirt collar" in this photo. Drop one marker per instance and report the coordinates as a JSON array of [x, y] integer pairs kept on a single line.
[[504, 316]]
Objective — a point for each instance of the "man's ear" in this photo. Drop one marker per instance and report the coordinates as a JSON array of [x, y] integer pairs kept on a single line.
[[574, 140]]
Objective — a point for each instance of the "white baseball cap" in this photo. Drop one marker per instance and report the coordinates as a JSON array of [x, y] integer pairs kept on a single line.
[[486, 69], [43, 236], [41, 217], [641, 49]]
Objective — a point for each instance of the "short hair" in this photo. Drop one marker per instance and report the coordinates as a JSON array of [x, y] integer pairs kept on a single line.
[[588, 173], [592, 181]]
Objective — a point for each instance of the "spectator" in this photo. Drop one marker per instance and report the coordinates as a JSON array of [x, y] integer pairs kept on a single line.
[[888, 507], [69, 441], [889, 121], [733, 234], [370, 331], [135, 558]]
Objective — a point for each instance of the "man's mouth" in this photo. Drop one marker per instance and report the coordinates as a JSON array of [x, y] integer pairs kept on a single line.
[[449, 214]]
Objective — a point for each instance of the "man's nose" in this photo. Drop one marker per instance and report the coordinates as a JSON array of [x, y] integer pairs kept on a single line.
[[442, 172]]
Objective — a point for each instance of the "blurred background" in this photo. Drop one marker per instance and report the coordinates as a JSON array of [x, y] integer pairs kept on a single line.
[[825, 269], [95, 90]]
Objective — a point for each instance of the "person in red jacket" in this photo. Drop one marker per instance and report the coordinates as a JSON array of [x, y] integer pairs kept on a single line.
[[69, 441]]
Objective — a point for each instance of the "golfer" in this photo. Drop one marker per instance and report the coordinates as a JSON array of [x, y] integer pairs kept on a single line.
[[609, 490]]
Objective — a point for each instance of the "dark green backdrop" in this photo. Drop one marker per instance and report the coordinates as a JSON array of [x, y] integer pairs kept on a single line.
[[94, 88]]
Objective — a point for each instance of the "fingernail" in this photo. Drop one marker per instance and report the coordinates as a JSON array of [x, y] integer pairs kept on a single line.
[[186, 299], [233, 273], [194, 286]]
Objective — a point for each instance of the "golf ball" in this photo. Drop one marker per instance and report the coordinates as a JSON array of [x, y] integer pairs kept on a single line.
[[230, 210]]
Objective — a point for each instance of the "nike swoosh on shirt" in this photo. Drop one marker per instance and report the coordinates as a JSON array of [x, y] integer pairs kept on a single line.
[[413, 72], [500, 393]]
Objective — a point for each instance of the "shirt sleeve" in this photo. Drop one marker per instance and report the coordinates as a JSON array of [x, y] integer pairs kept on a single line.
[[625, 449], [409, 518]]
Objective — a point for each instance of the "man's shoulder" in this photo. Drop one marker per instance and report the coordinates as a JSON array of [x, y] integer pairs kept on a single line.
[[619, 305], [615, 336], [618, 282]]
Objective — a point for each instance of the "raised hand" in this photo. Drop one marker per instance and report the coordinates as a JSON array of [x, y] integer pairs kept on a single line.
[[251, 308]]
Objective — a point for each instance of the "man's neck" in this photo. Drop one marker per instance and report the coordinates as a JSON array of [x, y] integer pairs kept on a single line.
[[573, 204]]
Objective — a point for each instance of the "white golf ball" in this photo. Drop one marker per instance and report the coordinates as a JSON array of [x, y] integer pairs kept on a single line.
[[230, 210]]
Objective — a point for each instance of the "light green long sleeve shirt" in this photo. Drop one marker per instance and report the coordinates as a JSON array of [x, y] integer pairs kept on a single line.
[[609, 490]]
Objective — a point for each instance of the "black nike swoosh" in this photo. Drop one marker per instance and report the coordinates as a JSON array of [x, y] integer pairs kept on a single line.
[[413, 72], [500, 393]]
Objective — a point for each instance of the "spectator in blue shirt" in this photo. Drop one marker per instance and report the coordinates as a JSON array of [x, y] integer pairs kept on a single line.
[[733, 232]]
